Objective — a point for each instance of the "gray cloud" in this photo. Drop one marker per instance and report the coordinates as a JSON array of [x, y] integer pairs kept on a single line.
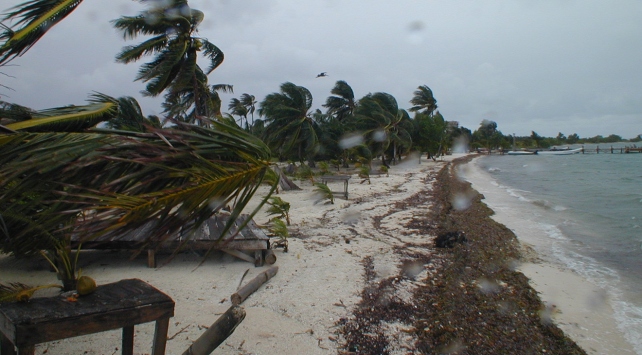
[[547, 66]]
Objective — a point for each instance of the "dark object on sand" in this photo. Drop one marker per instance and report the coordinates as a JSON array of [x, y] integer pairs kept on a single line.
[[449, 239]]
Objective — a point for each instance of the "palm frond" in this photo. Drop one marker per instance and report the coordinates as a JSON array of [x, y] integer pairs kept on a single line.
[[36, 17], [118, 181], [133, 53], [19, 292], [13, 112], [71, 118], [213, 53]]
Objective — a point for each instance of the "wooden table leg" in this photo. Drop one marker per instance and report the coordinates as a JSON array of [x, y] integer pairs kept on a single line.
[[6, 346], [128, 340], [27, 350], [160, 336]]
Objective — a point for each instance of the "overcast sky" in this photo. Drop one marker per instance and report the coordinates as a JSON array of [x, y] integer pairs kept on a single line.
[[549, 66]]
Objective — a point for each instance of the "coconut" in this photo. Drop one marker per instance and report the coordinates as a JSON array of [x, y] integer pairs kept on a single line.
[[86, 285]]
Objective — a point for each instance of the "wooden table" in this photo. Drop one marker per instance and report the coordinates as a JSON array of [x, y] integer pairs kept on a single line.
[[344, 178], [122, 304]]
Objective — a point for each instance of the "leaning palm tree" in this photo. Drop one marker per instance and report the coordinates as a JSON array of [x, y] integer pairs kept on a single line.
[[175, 48], [382, 122], [289, 126], [423, 101], [342, 103]]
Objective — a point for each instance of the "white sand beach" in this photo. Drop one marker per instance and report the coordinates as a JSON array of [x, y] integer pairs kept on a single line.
[[319, 280]]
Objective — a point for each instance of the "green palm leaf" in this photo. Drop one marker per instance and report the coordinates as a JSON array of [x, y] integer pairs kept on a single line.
[[118, 181], [67, 118], [36, 17]]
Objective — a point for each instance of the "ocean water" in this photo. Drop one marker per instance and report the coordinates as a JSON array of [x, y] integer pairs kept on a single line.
[[590, 209]]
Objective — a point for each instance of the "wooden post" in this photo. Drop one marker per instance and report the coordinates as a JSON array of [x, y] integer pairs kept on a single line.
[[151, 258], [245, 291], [218, 332]]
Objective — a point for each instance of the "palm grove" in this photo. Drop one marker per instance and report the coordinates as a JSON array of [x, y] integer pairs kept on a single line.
[[105, 168]]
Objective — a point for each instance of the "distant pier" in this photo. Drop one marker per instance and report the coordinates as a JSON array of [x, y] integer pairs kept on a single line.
[[611, 150], [596, 150]]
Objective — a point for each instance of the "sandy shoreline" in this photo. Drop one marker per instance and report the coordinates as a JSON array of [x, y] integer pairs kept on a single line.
[[319, 281], [581, 309]]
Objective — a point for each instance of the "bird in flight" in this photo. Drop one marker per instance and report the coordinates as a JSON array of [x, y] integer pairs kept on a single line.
[[322, 74]]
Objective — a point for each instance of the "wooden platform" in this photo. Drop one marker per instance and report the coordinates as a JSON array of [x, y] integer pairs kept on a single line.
[[251, 239], [122, 304]]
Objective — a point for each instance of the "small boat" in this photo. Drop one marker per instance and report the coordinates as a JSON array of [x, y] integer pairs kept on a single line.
[[520, 152], [566, 151]]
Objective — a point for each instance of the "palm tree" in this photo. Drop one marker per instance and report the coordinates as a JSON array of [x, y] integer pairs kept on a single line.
[[423, 101], [237, 108], [288, 124], [103, 182], [249, 101], [57, 177], [343, 103], [430, 133], [130, 116], [195, 106], [400, 134], [175, 51], [382, 122]]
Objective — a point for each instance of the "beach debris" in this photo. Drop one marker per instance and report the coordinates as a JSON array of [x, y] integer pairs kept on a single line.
[[216, 334], [449, 239], [16, 291], [179, 332], [244, 292]]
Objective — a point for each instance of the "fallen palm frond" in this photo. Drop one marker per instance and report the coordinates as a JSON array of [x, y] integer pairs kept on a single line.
[[16, 291]]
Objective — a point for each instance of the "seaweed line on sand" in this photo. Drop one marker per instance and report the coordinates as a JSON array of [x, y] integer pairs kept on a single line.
[[465, 300]]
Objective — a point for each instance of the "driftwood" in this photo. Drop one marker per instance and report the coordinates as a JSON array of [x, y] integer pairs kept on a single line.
[[284, 182], [218, 332], [245, 291], [270, 257]]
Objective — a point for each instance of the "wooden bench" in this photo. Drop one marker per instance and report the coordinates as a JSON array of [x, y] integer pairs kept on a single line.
[[344, 178], [122, 304]]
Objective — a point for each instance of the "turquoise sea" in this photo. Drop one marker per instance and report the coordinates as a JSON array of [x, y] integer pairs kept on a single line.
[[590, 206]]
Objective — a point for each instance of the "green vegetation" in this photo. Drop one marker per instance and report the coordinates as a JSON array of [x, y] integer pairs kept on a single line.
[[59, 173], [323, 193], [279, 208]]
